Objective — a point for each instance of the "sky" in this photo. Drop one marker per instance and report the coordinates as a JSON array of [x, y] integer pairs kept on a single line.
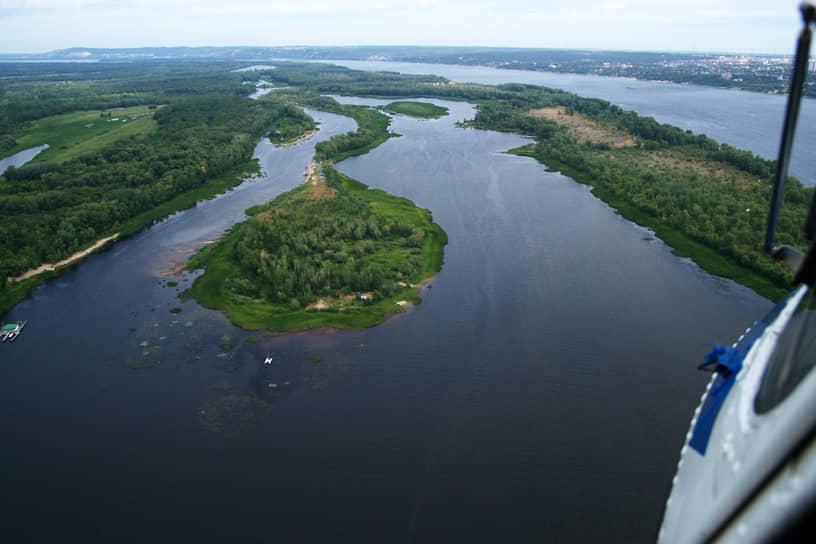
[[745, 26]]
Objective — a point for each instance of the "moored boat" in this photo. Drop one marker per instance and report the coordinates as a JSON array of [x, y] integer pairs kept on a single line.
[[11, 331]]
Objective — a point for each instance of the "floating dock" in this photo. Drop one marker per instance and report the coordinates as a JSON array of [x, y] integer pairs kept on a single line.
[[11, 331]]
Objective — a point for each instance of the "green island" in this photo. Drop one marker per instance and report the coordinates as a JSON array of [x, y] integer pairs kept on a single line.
[[416, 109], [186, 131], [331, 252]]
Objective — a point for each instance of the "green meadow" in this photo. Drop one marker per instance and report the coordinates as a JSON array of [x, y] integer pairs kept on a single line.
[[416, 109], [73, 134]]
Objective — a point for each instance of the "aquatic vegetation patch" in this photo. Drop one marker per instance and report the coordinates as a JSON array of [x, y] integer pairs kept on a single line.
[[232, 414], [222, 385]]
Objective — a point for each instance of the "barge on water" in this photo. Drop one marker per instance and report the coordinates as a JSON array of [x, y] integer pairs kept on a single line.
[[11, 331]]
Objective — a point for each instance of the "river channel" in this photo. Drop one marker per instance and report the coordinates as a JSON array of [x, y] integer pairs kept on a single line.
[[746, 120], [541, 391]]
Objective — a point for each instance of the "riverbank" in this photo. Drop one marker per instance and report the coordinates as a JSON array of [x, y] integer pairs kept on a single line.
[[299, 139], [79, 255], [682, 245], [19, 287]]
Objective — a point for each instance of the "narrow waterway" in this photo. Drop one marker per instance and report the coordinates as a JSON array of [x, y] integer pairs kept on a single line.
[[21, 157]]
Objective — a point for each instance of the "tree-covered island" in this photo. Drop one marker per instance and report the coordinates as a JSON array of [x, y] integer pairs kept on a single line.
[[331, 252]]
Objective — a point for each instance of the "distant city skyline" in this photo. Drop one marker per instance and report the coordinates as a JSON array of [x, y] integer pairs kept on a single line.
[[748, 26]]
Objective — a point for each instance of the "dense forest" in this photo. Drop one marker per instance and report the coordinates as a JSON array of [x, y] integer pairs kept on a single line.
[[313, 257], [205, 128]]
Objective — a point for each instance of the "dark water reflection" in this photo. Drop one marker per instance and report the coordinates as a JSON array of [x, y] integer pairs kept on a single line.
[[540, 392]]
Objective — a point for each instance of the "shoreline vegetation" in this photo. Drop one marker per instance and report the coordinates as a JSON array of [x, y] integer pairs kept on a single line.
[[331, 253], [19, 287], [79, 255], [297, 139], [193, 134]]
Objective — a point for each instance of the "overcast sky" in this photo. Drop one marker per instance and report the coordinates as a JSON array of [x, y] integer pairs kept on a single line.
[[751, 26]]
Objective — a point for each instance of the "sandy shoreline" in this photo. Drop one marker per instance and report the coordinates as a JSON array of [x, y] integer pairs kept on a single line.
[[301, 139], [47, 267]]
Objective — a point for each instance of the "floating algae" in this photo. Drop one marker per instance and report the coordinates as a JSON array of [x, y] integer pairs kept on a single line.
[[232, 414], [223, 386]]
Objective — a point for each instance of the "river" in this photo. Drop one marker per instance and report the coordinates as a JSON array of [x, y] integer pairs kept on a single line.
[[540, 392], [21, 157], [743, 119]]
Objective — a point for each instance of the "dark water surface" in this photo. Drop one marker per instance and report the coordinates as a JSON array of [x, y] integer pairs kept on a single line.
[[540, 393]]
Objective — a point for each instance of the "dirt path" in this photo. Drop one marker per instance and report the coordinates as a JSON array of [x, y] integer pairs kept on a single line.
[[73, 258]]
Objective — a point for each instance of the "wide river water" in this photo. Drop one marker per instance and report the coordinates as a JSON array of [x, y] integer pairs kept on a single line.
[[540, 393], [743, 119]]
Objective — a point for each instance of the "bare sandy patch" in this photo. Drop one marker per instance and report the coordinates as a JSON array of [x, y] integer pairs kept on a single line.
[[583, 129], [72, 259], [298, 140]]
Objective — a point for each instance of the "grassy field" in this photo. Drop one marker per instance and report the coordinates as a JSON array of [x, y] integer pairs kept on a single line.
[[73, 134], [416, 109]]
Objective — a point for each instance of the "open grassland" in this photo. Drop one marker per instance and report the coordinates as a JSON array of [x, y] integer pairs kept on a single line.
[[73, 134], [417, 109]]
